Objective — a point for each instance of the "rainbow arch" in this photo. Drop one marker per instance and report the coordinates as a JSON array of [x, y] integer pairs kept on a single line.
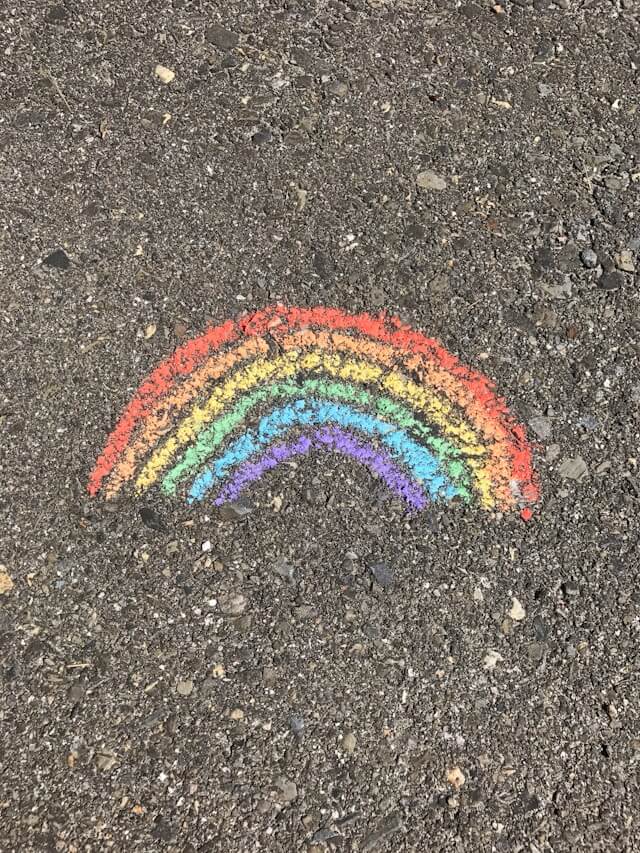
[[249, 394]]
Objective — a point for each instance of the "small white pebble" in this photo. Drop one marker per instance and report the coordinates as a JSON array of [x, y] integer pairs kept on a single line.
[[491, 659], [164, 74], [517, 611]]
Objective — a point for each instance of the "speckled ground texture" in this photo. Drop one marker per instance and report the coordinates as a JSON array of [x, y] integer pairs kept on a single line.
[[269, 694]]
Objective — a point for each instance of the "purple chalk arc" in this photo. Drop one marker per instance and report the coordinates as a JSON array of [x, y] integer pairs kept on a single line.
[[325, 439]]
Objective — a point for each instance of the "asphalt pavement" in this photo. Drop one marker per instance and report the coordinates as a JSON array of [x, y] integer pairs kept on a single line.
[[315, 666]]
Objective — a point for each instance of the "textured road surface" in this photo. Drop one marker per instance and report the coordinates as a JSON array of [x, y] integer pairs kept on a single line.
[[324, 673]]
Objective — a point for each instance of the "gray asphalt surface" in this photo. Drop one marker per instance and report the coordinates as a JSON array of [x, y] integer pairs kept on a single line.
[[267, 693]]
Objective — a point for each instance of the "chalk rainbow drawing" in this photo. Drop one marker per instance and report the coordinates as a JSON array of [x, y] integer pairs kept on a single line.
[[368, 387]]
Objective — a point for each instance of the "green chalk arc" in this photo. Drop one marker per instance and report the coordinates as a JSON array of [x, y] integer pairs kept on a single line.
[[214, 434]]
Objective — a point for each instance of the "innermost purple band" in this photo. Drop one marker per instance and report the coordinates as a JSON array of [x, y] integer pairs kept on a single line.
[[328, 439]]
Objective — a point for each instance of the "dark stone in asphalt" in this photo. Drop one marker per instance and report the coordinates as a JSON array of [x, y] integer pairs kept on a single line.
[[611, 281], [589, 258], [544, 260], [261, 137], [570, 588], [540, 628], [385, 828], [383, 573], [471, 11], [305, 58], [323, 265], [568, 260], [163, 831], [58, 260], [544, 51], [76, 693], [326, 836], [415, 230], [304, 81], [56, 14], [221, 37], [152, 519], [530, 802]]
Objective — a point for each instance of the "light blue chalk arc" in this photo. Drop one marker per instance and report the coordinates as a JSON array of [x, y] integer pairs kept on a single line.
[[311, 412]]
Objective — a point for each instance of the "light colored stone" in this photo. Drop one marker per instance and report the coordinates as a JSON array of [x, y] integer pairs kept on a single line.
[[517, 612], [541, 426], [553, 451], [164, 74], [218, 671], [288, 790], [625, 261], [349, 743], [456, 778], [233, 604], [6, 584], [338, 89], [491, 660], [573, 468], [106, 760], [429, 180]]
